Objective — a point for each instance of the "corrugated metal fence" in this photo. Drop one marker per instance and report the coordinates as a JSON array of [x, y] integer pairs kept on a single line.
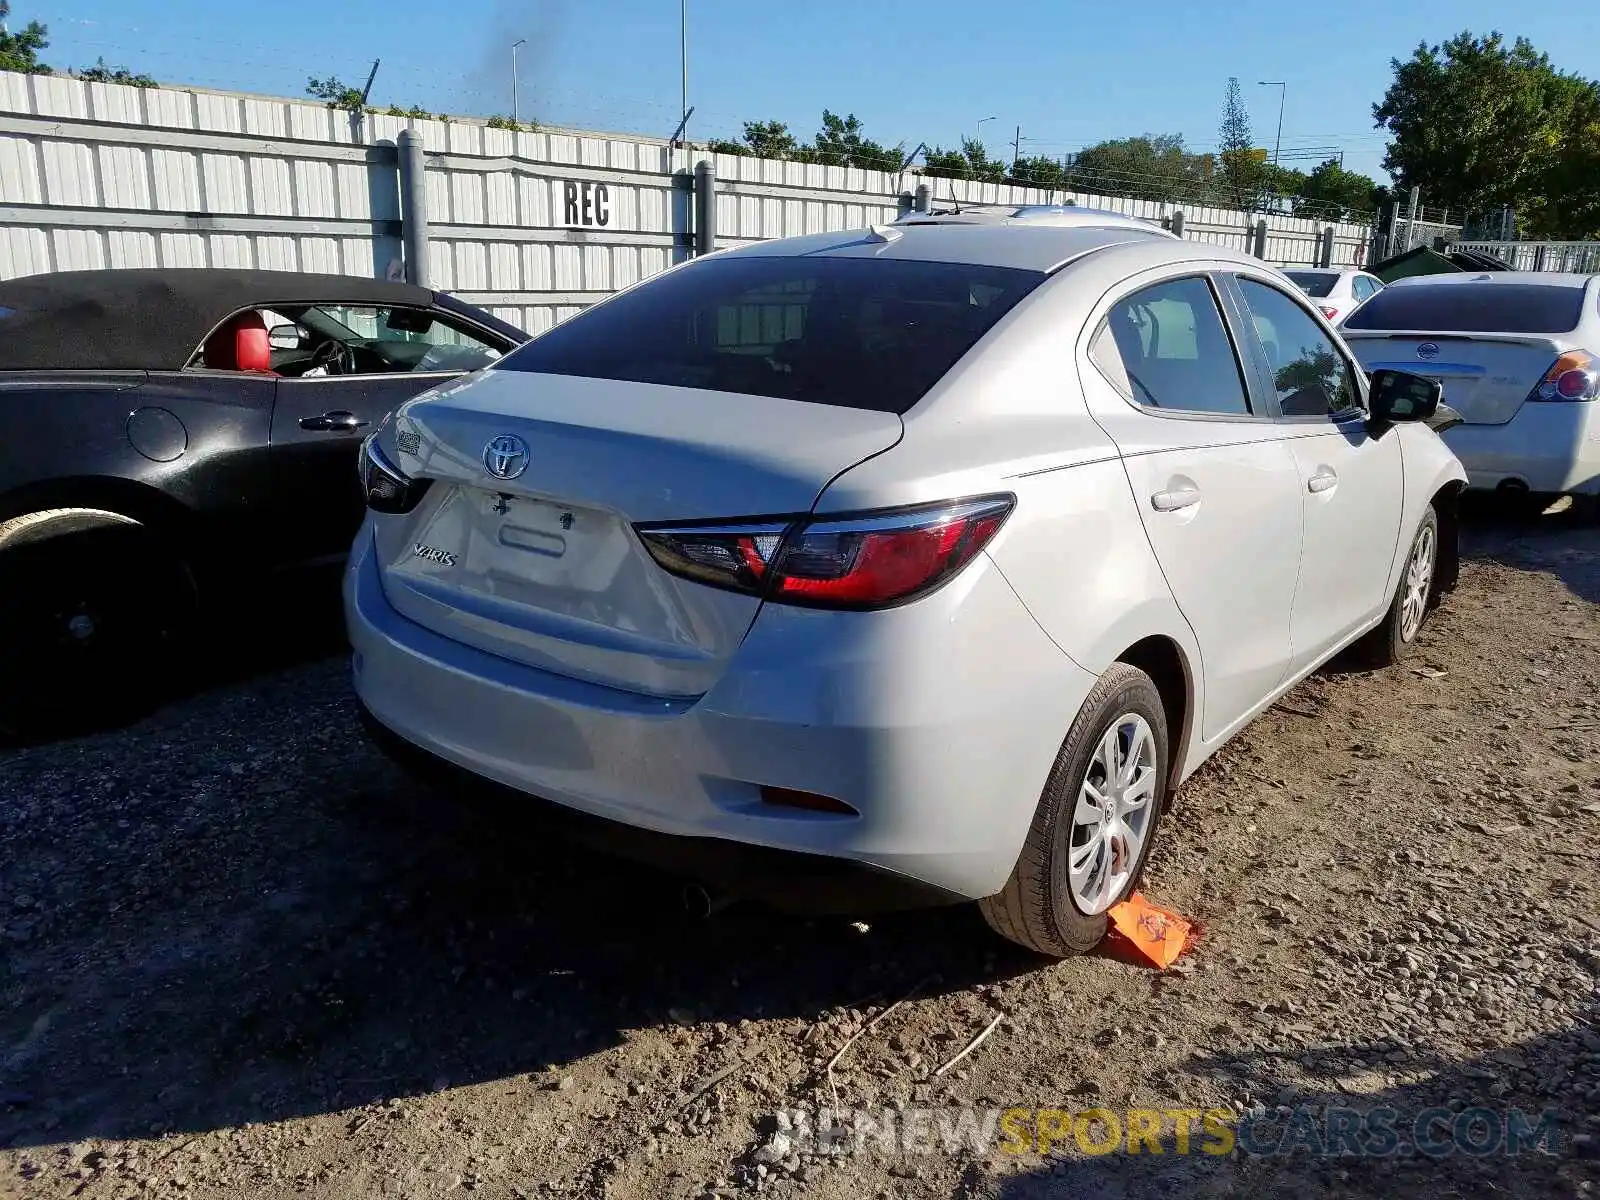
[[531, 225]]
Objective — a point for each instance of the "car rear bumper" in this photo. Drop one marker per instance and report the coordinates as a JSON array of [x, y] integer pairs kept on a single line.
[[938, 722], [1545, 447]]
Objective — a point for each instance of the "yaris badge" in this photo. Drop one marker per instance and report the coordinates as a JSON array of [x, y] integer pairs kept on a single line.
[[506, 456]]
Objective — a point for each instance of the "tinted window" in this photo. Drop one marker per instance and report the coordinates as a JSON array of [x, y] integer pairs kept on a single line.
[[1473, 308], [1167, 347], [1312, 283], [862, 333], [1361, 287], [1311, 377]]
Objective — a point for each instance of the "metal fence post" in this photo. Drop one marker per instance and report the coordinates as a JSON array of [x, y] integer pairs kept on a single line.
[[1538, 258], [413, 208], [1177, 223], [1325, 253], [1259, 240], [705, 207], [924, 199]]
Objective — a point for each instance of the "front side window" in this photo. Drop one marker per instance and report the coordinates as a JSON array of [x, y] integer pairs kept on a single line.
[[871, 333], [1311, 377], [362, 339], [1166, 347]]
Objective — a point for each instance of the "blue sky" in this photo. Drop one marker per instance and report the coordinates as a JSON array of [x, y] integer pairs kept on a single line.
[[1069, 73]]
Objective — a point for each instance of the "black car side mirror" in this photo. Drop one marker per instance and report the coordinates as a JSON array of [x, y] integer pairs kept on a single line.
[[1396, 396]]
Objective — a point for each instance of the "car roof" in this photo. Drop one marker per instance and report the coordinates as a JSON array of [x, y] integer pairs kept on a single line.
[[1536, 278], [153, 319], [1026, 246], [1059, 215]]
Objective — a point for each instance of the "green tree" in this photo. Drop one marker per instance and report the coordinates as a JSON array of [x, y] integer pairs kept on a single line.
[[839, 143], [1039, 171], [1568, 206], [1476, 123], [972, 161], [101, 73], [1240, 163], [1332, 191], [1150, 167], [338, 95], [769, 139], [20, 51]]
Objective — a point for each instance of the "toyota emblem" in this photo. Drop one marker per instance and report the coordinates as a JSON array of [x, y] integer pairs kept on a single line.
[[1428, 350], [506, 456]]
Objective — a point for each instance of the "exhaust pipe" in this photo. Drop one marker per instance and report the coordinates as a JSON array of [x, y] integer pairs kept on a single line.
[[701, 904]]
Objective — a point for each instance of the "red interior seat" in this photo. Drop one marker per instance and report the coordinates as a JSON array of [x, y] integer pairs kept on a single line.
[[239, 344]]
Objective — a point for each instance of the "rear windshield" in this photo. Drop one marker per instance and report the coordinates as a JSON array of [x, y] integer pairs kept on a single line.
[[1473, 308], [855, 332], [1312, 283]]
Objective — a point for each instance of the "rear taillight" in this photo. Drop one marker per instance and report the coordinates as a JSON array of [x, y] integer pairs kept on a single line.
[[868, 560], [388, 489], [1328, 311], [1574, 378]]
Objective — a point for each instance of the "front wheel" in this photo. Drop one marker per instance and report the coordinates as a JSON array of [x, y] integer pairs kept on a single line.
[[1397, 635], [1095, 823]]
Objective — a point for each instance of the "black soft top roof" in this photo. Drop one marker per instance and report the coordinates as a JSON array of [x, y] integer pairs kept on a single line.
[[154, 319]]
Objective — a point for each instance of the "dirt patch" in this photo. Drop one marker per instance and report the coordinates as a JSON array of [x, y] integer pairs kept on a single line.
[[240, 956]]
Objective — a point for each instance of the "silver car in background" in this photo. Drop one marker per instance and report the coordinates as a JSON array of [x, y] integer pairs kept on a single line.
[[1516, 353]]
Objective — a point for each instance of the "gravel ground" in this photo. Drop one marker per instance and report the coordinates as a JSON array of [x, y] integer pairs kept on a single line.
[[241, 957]]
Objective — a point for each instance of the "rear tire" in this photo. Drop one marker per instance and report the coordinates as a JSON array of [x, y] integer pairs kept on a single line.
[[1396, 637], [1043, 905], [96, 626]]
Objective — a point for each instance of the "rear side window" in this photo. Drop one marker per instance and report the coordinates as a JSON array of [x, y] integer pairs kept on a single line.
[[1166, 347], [1312, 283], [1473, 308], [859, 333]]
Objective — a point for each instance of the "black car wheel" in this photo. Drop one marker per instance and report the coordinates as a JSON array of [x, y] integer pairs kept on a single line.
[[95, 627]]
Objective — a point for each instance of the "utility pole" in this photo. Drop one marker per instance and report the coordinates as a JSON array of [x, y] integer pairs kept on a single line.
[[1016, 150], [516, 115], [1283, 92], [683, 62]]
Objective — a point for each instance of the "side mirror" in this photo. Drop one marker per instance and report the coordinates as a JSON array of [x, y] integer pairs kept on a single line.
[[1397, 396], [285, 337]]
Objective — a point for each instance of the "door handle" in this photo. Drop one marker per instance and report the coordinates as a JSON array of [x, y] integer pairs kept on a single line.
[[338, 421], [1324, 480], [1172, 501]]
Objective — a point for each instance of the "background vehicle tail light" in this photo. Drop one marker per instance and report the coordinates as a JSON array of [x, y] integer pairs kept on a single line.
[[868, 560], [388, 489], [1575, 377], [1328, 311]]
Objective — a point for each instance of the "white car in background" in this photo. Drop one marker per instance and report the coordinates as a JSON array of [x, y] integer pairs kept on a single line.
[[1336, 292], [1516, 353], [919, 561]]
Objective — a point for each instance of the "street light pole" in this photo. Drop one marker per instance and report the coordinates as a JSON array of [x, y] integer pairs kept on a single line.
[[1283, 92], [516, 116], [981, 120], [683, 60]]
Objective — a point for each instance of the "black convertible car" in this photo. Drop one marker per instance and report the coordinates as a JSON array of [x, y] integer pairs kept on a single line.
[[169, 435]]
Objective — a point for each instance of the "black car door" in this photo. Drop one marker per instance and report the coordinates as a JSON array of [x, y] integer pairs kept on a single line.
[[329, 397]]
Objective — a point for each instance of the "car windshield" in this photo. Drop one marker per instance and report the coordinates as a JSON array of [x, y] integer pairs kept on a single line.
[[1312, 283], [1473, 308], [855, 332]]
